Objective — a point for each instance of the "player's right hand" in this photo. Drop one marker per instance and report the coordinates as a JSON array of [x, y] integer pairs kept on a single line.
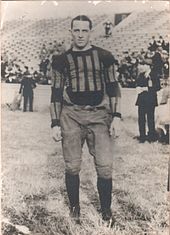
[[56, 133]]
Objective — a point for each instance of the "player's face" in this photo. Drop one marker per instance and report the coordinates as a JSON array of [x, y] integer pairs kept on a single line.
[[80, 33]]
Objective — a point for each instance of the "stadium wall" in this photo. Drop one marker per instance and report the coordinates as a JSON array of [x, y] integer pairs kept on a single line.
[[42, 98]]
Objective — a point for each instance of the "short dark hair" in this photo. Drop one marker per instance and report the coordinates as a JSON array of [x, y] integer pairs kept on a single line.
[[82, 18]]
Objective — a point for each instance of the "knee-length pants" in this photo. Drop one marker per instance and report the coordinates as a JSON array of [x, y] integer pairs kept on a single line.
[[92, 127]]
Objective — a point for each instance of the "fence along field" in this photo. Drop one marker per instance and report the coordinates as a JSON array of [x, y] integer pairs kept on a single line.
[[34, 199]]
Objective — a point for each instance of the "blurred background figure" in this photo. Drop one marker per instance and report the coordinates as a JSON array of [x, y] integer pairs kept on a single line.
[[146, 101], [26, 88], [163, 115], [43, 52], [108, 28]]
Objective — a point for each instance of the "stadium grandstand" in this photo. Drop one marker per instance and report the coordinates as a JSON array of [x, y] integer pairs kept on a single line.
[[133, 30]]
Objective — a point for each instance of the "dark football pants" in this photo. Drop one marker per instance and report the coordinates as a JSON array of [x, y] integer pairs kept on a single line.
[[92, 127]]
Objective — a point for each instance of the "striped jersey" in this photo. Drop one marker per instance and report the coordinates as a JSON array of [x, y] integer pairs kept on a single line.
[[83, 78]]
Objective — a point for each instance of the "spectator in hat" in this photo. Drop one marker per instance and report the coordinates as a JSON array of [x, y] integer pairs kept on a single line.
[[26, 88], [108, 26], [152, 44], [147, 87]]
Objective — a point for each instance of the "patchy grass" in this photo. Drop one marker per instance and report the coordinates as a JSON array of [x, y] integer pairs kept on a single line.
[[33, 190]]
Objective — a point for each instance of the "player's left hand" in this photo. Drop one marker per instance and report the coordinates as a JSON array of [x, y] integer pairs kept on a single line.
[[115, 127], [56, 133]]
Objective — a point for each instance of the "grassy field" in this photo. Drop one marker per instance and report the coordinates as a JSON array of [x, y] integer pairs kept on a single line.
[[33, 190]]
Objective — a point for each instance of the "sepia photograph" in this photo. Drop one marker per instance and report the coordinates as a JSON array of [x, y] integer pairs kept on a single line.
[[85, 116]]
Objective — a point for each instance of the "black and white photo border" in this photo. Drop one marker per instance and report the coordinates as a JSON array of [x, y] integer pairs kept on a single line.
[[33, 195]]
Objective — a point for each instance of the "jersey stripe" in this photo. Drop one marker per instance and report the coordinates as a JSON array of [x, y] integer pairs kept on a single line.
[[97, 70], [73, 76], [81, 73], [86, 73], [94, 74], [90, 73]]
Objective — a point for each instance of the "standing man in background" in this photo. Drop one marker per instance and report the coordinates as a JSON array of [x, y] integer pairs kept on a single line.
[[26, 88], [85, 106], [148, 83], [108, 31]]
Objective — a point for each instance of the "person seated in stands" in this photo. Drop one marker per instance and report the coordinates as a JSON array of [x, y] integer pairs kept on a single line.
[[55, 44], [157, 63], [4, 65], [36, 76], [44, 66], [152, 44], [166, 46], [43, 52], [26, 70], [134, 67], [123, 72], [31, 70], [10, 74], [163, 114], [160, 42], [108, 26], [50, 48], [165, 58], [121, 77], [127, 57], [141, 55], [61, 48], [55, 48], [18, 73], [130, 63], [5, 56], [149, 54]]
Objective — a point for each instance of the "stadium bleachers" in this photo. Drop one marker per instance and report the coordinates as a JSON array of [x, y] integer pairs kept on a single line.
[[135, 32], [24, 39]]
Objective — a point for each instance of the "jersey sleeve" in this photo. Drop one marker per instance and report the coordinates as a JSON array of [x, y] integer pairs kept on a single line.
[[111, 82], [57, 86]]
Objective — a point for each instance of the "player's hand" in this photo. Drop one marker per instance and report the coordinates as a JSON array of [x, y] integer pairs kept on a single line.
[[115, 127], [56, 133]]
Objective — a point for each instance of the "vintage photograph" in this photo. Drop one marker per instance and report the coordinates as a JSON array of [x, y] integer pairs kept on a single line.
[[85, 115]]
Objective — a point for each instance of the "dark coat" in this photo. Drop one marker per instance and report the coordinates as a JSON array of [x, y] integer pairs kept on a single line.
[[157, 63], [147, 98], [27, 85]]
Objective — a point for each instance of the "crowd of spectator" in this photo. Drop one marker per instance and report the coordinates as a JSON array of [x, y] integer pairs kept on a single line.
[[12, 70], [157, 55], [46, 54]]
